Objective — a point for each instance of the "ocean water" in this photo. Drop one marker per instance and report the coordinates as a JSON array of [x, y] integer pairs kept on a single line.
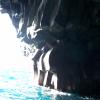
[[17, 85]]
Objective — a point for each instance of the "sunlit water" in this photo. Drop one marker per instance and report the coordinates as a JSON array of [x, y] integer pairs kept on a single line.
[[16, 72], [16, 85]]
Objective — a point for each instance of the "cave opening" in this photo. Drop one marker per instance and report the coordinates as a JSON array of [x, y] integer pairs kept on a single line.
[[17, 55], [12, 57]]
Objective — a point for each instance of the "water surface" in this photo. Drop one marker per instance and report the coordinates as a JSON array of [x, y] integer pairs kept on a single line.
[[17, 85]]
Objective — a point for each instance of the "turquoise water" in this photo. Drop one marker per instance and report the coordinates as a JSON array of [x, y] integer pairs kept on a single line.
[[16, 85]]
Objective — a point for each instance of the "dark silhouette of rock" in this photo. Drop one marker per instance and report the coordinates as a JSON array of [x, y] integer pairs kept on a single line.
[[71, 27]]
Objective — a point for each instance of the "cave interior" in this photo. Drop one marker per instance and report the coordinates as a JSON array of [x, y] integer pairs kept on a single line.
[[71, 28]]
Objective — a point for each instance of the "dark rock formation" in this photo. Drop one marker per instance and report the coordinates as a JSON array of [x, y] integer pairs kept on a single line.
[[71, 27]]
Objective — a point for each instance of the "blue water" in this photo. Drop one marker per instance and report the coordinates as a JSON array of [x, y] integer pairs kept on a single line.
[[16, 85]]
